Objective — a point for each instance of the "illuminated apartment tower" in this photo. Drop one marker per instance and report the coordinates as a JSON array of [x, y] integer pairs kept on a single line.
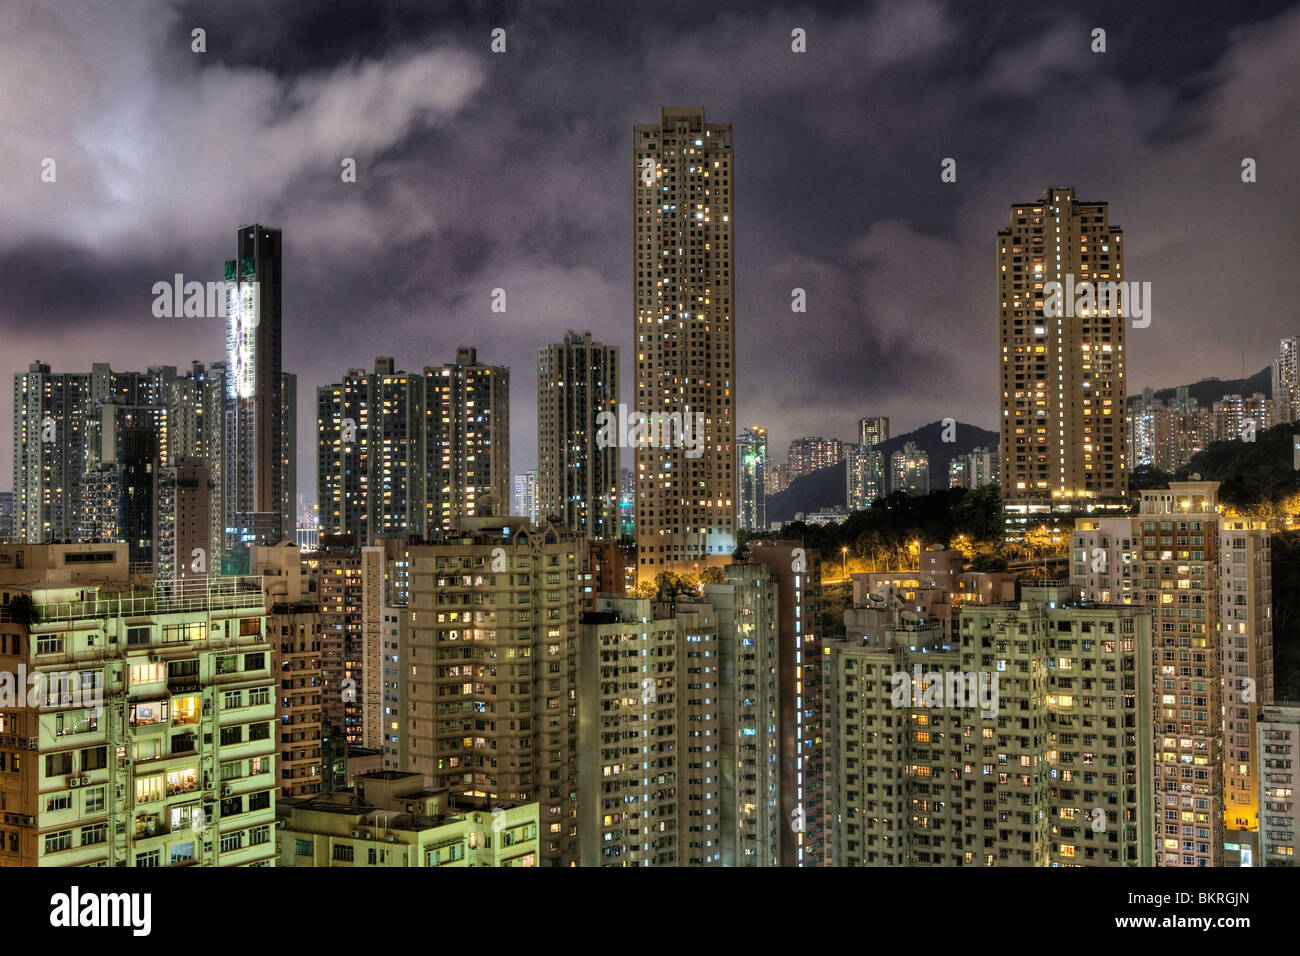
[[1207, 580], [807, 455], [253, 480], [645, 796], [1278, 737], [490, 660], [370, 461], [751, 446], [685, 336], [293, 622], [1286, 381], [1063, 430], [801, 746], [523, 497], [577, 481], [467, 442], [872, 431], [165, 754]]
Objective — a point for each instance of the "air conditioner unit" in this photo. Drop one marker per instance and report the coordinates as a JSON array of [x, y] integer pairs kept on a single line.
[[155, 658], [392, 838], [356, 834], [225, 789]]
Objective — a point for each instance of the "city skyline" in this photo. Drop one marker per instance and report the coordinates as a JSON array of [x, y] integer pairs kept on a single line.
[[851, 245]]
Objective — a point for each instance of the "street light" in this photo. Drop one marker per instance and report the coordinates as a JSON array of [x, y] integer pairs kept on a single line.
[[844, 567]]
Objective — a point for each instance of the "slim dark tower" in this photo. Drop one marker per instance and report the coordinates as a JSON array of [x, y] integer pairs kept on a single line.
[[254, 452]]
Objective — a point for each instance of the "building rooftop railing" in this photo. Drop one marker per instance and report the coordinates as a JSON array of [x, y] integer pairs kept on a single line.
[[166, 597]]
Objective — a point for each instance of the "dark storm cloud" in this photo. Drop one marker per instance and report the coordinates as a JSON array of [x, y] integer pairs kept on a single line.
[[479, 171]]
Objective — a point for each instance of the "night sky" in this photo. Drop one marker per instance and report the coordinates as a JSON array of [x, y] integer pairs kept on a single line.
[[479, 171]]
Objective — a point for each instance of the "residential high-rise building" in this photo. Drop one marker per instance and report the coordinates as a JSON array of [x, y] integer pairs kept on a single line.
[[1038, 707], [1166, 436], [975, 469], [256, 507], [490, 659], [865, 467], [807, 455], [1277, 735], [183, 532], [1063, 441], [1234, 418], [125, 447], [1206, 580], [6, 517], [467, 445], [910, 471], [1286, 381], [524, 498], [293, 622], [685, 337], [577, 480], [751, 445], [371, 435], [351, 587], [154, 745], [746, 606], [801, 668], [88, 448], [872, 431], [648, 767]]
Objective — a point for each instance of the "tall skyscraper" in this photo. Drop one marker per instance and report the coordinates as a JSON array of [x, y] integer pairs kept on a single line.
[[371, 434], [751, 446], [254, 480], [1286, 381], [577, 481], [492, 694], [801, 748], [643, 717], [1062, 377], [685, 337], [1206, 580], [467, 444]]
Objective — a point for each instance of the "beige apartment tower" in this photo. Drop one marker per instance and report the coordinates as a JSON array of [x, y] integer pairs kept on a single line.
[[1024, 740], [1062, 378], [1206, 581], [685, 339], [489, 657]]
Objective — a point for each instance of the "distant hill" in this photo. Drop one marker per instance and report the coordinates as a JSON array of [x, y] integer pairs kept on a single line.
[[1251, 473], [825, 488], [1210, 390]]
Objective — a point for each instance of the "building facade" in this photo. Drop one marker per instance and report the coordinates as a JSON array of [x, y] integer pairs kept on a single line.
[[1063, 434], [685, 337], [577, 478]]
